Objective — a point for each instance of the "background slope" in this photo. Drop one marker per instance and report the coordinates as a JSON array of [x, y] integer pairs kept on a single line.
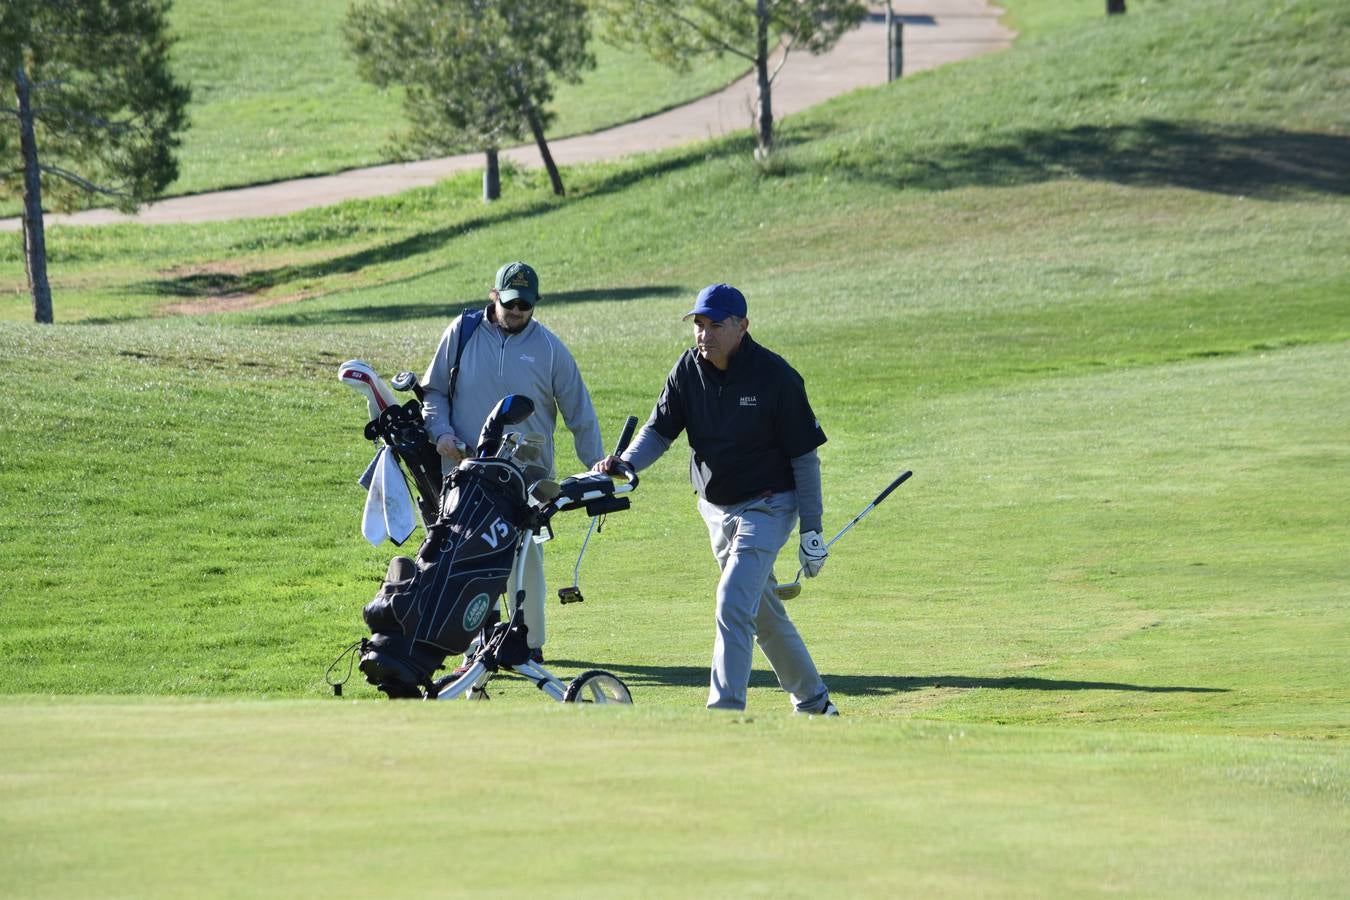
[[1093, 291]]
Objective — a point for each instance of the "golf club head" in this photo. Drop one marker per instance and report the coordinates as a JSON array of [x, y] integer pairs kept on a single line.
[[545, 491], [401, 568], [404, 381], [570, 594], [788, 591], [362, 378], [508, 444], [527, 452]]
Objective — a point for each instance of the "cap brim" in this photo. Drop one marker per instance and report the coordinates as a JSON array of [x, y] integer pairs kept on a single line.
[[507, 295], [716, 315]]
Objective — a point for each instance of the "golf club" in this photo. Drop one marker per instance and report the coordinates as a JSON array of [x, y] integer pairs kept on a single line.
[[572, 593], [362, 378], [407, 381], [793, 588]]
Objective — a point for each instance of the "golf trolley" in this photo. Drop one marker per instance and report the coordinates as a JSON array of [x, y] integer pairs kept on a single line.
[[479, 524]]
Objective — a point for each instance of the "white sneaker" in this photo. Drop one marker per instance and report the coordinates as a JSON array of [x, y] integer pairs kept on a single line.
[[829, 710]]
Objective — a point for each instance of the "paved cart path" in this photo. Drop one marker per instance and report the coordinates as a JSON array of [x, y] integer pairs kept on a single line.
[[935, 32]]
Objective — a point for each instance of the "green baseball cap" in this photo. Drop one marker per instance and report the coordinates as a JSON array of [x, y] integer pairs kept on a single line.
[[516, 280]]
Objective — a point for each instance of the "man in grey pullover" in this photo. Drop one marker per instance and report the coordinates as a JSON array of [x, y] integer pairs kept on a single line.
[[510, 353]]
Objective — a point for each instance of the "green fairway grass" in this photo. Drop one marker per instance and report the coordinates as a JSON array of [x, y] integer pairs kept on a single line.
[[1094, 291], [154, 799]]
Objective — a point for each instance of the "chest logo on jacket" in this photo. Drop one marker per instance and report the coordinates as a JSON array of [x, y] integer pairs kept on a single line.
[[751, 400]]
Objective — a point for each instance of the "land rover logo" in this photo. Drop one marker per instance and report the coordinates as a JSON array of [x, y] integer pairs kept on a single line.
[[476, 612]]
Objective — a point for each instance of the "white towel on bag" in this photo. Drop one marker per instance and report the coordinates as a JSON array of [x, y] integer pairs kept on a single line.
[[389, 506]]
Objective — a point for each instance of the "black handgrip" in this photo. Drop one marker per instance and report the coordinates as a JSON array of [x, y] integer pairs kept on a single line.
[[900, 479], [626, 435]]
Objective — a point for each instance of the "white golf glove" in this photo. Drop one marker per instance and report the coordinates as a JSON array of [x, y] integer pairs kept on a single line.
[[812, 554]]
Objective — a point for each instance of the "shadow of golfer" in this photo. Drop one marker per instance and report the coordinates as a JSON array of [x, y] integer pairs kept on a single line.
[[874, 685], [859, 685]]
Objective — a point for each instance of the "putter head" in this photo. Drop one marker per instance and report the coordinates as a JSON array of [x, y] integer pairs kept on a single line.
[[545, 491], [570, 594], [788, 591]]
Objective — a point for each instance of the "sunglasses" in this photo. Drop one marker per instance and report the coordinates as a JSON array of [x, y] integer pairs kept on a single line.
[[518, 303]]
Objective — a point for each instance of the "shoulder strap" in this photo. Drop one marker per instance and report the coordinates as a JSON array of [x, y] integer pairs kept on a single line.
[[469, 321]]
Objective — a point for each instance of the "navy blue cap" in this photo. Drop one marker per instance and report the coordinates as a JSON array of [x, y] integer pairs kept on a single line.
[[717, 301]]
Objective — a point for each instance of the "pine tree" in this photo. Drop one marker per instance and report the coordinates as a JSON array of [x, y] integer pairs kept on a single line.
[[477, 74], [96, 112], [678, 32]]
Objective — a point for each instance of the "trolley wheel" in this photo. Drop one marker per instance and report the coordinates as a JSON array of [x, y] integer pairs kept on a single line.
[[597, 686]]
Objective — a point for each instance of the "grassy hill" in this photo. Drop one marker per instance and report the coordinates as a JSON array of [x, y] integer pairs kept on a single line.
[[275, 94], [1092, 290]]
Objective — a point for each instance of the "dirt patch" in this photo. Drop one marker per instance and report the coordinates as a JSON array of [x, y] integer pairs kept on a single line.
[[223, 303], [217, 288]]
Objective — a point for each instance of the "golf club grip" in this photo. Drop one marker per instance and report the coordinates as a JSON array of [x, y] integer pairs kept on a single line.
[[900, 479], [626, 435]]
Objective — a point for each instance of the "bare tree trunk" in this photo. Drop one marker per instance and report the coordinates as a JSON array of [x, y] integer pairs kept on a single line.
[[895, 44], [763, 98], [537, 130], [34, 238], [492, 176]]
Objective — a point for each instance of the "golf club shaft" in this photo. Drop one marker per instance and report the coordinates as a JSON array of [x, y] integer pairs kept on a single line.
[[899, 480], [625, 436], [576, 570]]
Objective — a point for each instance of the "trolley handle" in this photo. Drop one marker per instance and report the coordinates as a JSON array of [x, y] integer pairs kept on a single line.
[[625, 438]]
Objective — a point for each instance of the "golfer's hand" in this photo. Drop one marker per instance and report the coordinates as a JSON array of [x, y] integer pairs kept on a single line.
[[446, 446], [610, 465], [811, 554]]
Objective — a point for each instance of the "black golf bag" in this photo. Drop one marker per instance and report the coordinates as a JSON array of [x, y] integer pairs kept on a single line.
[[433, 607]]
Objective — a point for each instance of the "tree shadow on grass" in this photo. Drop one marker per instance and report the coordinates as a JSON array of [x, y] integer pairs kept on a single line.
[[397, 312], [1266, 163], [215, 284], [874, 685]]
